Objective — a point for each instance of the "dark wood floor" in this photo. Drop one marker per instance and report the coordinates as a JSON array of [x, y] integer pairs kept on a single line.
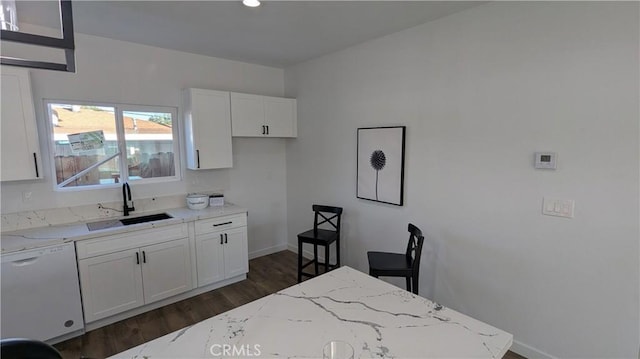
[[267, 275]]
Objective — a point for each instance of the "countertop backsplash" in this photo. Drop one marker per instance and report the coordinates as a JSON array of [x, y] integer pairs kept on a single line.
[[65, 215]]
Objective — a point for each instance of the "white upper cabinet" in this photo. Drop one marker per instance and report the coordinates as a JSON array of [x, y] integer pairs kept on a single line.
[[207, 129], [20, 156], [263, 116], [247, 113], [280, 116]]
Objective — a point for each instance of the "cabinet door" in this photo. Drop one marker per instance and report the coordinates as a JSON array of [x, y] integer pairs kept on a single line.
[[236, 252], [20, 149], [166, 269], [111, 284], [208, 129], [210, 258], [247, 115], [280, 116]]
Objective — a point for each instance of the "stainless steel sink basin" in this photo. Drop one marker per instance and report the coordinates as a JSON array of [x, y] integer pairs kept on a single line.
[[111, 223], [144, 219]]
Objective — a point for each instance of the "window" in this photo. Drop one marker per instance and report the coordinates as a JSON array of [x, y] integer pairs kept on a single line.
[[98, 145]]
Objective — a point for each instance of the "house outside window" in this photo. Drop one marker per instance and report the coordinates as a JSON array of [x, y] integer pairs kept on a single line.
[[100, 145]]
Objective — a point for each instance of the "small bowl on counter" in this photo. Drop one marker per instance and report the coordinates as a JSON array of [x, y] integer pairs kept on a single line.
[[197, 201]]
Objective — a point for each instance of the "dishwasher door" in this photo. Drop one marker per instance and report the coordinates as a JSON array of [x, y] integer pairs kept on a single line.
[[40, 296]]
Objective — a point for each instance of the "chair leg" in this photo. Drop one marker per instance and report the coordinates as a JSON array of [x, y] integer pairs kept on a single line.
[[408, 280], [299, 261], [326, 258], [315, 258], [415, 284], [338, 253]]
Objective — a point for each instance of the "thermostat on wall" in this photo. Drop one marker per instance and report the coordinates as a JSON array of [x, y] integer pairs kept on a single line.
[[546, 160]]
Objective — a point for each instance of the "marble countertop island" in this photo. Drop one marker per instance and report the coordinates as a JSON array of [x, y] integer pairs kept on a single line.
[[376, 318]]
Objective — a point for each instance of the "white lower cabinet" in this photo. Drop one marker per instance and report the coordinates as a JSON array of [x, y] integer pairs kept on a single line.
[[210, 258], [111, 284], [122, 272], [221, 248], [126, 279], [236, 253], [166, 270]]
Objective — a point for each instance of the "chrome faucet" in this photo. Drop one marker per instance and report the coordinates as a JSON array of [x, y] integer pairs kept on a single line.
[[126, 195]]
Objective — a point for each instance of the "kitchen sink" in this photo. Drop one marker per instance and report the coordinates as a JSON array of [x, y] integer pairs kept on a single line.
[[111, 223], [144, 219]]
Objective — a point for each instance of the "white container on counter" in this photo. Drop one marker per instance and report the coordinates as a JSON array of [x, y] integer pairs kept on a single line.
[[197, 201], [216, 199]]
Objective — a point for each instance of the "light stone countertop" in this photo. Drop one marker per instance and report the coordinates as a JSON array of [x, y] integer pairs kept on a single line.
[[376, 318], [44, 236]]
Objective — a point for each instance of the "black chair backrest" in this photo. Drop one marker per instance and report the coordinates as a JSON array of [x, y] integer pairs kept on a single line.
[[414, 247], [333, 220], [19, 348]]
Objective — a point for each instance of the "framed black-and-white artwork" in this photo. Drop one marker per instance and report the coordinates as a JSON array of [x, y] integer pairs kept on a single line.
[[381, 164]]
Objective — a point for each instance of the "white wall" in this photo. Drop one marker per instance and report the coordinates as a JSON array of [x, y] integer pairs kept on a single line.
[[480, 91], [122, 72]]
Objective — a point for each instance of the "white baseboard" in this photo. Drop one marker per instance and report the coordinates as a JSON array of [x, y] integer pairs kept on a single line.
[[267, 251], [529, 352]]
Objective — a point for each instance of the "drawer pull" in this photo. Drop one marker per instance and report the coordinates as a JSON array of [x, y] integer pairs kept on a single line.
[[221, 238], [35, 161], [222, 224], [137, 258]]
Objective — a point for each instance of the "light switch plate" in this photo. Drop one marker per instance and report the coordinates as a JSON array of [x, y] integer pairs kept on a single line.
[[558, 207]]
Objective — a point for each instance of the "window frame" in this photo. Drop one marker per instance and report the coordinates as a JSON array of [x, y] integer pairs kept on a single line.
[[119, 109]]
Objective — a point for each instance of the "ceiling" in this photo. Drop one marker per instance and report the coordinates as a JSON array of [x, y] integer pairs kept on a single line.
[[278, 33]]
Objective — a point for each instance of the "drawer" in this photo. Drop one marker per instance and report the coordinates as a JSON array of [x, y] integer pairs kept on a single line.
[[108, 244], [220, 223]]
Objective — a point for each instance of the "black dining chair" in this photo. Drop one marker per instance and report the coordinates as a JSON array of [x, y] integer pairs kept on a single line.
[[20, 348], [321, 237], [384, 264]]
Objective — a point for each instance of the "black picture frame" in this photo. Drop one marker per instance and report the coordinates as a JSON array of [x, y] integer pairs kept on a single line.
[[380, 164], [66, 43]]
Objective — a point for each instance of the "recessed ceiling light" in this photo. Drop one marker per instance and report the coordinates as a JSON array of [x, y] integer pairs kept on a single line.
[[251, 3]]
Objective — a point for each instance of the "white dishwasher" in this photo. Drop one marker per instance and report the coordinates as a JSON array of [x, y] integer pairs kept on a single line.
[[40, 296]]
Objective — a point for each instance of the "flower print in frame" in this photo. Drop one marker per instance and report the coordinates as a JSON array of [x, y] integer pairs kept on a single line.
[[381, 164]]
